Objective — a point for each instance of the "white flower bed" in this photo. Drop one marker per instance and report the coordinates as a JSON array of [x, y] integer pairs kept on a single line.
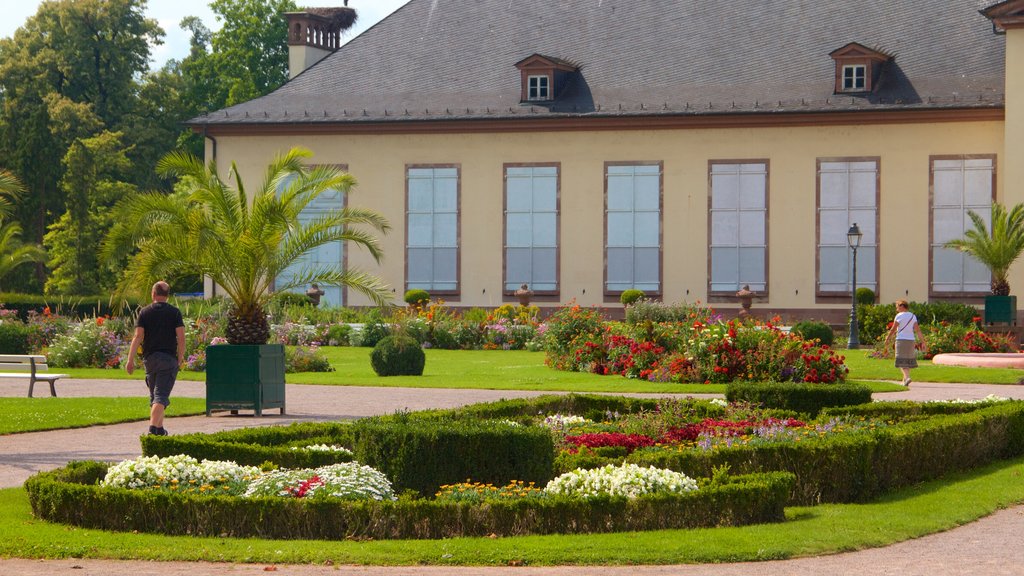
[[349, 480], [153, 471], [556, 421], [627, 480], [324, 448]]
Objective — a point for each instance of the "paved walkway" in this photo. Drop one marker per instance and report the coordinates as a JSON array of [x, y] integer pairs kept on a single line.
[[989, 546]]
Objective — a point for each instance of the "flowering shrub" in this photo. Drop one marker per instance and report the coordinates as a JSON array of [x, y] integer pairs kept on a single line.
[[180, 474], [719, 352], [946, 338], [349, 481], [479, 492], [296, 333], [303, 359], [565, 328], [628, 480], [48, 327], [88, 344]]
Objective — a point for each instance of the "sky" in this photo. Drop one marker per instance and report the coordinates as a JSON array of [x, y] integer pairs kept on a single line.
[[168, 13]]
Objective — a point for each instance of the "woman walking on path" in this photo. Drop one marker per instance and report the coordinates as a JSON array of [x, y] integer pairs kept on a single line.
[[907, 332]]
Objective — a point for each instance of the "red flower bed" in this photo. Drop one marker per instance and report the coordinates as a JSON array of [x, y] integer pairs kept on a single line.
[[691, 432], [615, 439]]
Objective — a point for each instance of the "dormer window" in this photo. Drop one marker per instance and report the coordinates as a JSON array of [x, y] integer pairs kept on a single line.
[[858, 68], [543, 77], [539, 88]]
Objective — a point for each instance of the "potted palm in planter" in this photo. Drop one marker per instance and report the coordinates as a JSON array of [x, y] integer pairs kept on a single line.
[[243, 242], [997, 249]]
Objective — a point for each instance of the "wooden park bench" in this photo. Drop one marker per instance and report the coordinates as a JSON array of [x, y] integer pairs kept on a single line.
[[29, 366]]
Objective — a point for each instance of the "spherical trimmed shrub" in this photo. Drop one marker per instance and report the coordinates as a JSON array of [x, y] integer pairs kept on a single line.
[[865, 296], [417, 297], [630, 296], [810, 330], [398, 356]]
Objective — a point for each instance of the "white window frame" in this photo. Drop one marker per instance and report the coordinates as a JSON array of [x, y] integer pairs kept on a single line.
[[640, 251], [852, 81], [436, 247], [539, 179], [754, 176], [836, 217], [538, 87], [958, 184]]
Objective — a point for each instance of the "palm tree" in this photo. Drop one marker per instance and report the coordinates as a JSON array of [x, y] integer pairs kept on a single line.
[[996, 250], [13, 252], [241, 241]]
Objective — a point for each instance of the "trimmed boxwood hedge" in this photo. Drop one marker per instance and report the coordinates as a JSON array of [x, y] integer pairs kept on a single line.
[[70, 495], [800, 397], [424, 455], [859, 467]]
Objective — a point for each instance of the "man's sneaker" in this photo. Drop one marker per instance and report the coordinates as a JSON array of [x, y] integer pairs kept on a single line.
[[153, 430]]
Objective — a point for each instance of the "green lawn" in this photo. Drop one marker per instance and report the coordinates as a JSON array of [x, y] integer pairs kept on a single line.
[[863, 368], [924, 509], [35, 414], [520, 370]]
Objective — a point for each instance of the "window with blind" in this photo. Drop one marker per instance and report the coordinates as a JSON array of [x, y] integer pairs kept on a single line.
[[959, 185], [432, 228], [633, 227], [847, 194], [738, 227], [531, 228]]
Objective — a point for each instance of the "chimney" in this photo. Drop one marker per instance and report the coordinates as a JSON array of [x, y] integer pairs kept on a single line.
[[315, 33]]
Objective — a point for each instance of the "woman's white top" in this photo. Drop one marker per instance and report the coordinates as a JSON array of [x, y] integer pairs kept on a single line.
[[905, 322]]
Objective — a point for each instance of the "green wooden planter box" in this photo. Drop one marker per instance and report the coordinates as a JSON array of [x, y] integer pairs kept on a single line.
[[1001, 310], [245, 377]]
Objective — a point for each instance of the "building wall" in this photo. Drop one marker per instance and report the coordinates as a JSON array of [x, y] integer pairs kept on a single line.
[[378, 162]]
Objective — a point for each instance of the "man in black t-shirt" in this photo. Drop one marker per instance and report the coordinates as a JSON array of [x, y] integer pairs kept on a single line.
[[161, 331]]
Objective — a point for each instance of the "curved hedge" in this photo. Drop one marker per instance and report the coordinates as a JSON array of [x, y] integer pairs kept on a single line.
[[254, 446], [860, 467], [70, 495]]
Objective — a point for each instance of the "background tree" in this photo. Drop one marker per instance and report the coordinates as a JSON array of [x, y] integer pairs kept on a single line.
[[93, 183], [243, 241], [997, 249], [75, 61]]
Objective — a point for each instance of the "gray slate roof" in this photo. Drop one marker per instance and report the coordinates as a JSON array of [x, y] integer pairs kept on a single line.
[[454, 59]]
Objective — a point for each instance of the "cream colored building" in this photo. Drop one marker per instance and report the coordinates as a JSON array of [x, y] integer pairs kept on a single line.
[[682, 147]]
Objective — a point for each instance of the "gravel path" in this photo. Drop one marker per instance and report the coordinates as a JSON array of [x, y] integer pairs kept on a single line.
[[990, 546]]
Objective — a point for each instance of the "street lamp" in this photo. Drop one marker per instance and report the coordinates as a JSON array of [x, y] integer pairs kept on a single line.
[[853, 236]]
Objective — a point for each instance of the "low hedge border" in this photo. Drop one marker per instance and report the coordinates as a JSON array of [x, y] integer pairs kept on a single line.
[[801, 397], [255, 446], [860, 467], [71, 495]]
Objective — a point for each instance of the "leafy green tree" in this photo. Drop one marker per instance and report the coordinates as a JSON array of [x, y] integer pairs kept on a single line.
[[242, 241], [69, 72], [247, 57], [997, 249], [93, 183]]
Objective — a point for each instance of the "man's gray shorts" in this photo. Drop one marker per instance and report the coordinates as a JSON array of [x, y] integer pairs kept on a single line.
[[161, 370]]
